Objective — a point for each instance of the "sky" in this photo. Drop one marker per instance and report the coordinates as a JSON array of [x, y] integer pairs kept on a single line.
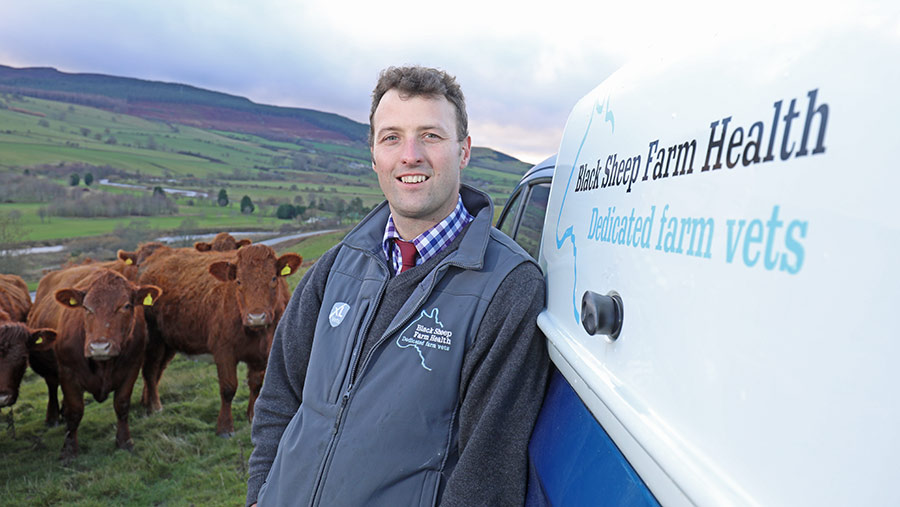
[[522, 65]]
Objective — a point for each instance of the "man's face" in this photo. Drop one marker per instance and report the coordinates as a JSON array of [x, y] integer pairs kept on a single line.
[[418, 159]]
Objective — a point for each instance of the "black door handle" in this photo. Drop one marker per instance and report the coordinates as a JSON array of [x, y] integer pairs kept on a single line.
[[602, 314]]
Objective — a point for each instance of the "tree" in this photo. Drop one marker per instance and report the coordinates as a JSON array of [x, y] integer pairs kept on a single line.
[[74, 179], [88, 179], [286, 212], [356, 208], [223, 198], [247, 206], [158, 191]]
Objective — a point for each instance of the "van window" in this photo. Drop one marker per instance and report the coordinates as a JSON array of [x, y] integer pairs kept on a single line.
[[507, 221], [528, 234]]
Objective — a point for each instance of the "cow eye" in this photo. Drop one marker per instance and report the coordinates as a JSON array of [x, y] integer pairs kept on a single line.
[[237, 282], [127, 306], [274, 278]]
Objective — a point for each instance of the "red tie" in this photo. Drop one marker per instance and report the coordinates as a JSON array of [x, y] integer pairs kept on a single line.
[[407, 254]]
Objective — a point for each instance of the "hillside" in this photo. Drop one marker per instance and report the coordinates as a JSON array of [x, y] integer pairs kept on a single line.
[[188, 105], [179, 103], [99, 163]]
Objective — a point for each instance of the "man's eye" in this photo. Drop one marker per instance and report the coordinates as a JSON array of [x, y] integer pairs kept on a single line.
[[432, 136], [389, 139]]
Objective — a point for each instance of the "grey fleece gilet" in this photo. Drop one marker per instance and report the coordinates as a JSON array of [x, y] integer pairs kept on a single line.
[[396, 405]]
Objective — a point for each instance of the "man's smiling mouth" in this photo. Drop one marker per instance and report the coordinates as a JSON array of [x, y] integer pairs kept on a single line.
[[418, 178]]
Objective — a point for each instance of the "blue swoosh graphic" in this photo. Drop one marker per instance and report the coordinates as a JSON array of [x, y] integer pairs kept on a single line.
[[569, 232]]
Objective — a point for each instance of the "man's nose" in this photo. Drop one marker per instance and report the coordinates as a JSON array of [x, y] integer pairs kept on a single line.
[[412, 152]]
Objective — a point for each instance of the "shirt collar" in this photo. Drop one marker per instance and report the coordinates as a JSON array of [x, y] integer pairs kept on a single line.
[[430, 242]]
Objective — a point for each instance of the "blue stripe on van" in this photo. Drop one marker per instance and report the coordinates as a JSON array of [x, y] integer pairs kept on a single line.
[[573, 460]]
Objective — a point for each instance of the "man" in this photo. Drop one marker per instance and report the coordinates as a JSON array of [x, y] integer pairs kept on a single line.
[[407, 374]]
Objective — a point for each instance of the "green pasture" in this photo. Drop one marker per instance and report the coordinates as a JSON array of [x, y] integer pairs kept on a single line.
[[203, 217], [177, 457]]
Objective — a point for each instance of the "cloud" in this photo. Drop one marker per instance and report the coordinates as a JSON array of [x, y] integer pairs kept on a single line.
[[522, 69]]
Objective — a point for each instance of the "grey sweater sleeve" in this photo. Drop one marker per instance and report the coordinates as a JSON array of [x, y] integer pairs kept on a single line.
[[503, 382], [282, 388]]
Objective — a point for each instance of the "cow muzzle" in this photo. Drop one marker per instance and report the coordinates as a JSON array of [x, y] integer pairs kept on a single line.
[[256, 319], [100, 350]]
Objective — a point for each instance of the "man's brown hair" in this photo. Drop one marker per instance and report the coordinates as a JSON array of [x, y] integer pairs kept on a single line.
[[414, 81]]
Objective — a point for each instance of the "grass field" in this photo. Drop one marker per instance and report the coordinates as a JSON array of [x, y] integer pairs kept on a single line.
[[177, 458]]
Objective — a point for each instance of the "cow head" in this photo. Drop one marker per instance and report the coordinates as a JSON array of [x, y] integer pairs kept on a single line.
[[108, 306], [255, 273], [140, 255], [16, 341], [223, 242]]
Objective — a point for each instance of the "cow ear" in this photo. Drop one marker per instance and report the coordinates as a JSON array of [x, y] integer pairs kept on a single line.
[[203, 246], [70, 298], [146, 295], [129, 258], [41, 339], [223, 270], [288, 264], [243, 242]]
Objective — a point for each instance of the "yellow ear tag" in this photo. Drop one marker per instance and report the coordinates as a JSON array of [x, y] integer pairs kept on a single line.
[[39, 340], [128, 262], [285, 271], [148, 301], [72, 302]]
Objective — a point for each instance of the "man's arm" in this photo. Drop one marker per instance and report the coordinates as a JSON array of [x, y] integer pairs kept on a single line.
[[282, 389], [503, 382]]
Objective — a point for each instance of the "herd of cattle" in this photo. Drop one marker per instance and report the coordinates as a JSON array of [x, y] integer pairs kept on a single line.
[[94, 327]]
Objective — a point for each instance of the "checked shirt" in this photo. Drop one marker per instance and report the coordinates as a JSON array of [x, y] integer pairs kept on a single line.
[[429, 242]]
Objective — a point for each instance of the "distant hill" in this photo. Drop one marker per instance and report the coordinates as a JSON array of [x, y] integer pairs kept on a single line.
[[180, 103], [189, 105]]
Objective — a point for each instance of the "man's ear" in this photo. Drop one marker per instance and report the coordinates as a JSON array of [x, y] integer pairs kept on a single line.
[[466, 147]]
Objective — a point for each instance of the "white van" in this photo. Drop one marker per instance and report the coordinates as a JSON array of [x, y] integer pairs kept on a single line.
[[721, 247]]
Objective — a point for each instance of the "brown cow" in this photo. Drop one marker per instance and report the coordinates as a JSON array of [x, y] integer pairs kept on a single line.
[[16, 341], [101, 338], [15, 299], [221, 303], [45, 313], [223, 242]]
